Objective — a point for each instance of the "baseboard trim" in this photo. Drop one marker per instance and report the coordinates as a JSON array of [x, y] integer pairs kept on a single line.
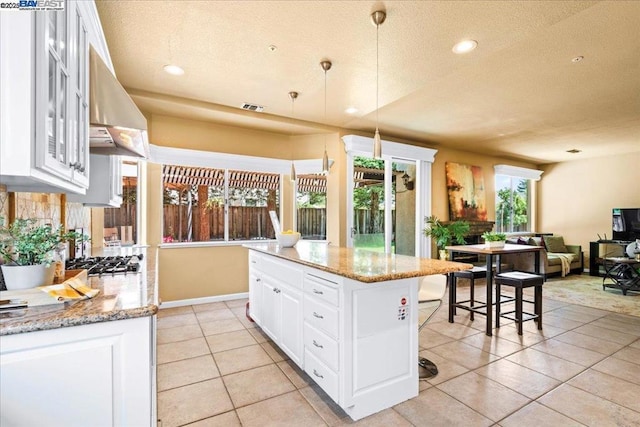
[[203, 300]]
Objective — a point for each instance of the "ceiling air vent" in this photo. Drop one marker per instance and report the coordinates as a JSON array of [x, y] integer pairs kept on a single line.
[[252, 107]]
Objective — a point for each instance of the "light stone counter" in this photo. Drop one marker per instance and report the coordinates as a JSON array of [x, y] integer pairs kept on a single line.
[[121, 297], [359, 264]]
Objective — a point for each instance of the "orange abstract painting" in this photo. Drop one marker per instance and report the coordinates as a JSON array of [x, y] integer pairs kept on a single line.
[[465, 185]]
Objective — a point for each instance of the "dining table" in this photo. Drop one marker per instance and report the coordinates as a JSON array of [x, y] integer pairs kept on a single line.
[[491, 254]]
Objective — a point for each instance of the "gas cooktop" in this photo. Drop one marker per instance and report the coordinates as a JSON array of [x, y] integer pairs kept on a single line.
[[97, 266]]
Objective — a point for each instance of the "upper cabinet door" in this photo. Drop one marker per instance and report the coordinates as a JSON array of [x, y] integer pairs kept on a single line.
[[62, 94], [52, 83], [79, 117]]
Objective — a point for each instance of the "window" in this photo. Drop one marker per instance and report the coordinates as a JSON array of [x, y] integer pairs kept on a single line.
[[311, 206], [120, 224], [513, 198], [512, 204], [205, 204]]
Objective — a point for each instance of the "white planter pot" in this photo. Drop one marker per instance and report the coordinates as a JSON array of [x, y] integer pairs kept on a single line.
[[27, 276], [494, 245]]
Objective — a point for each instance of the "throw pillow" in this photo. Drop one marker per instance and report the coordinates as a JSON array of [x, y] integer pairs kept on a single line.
[[522, 241], [535, 241], [555, 244]]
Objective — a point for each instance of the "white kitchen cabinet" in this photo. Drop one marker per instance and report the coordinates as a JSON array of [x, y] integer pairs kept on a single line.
[[255, 289], [276, 299], [44, 113], [101, 374], [105, 188], [358, 341]]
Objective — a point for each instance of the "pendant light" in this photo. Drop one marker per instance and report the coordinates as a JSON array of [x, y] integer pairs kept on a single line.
[[378, 18], [326, 66], [293, 95]]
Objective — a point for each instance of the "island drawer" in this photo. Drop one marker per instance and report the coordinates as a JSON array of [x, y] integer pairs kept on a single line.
[[285, 271], [321, 374], [321, 345], [321, 316], [254, 260], [321, 288]]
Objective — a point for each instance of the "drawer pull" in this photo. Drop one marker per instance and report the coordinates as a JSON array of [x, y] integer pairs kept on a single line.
[[253, 262], [258, 279], [315, 291], [317, 374], [276, 290], [317, 345], [319, 316]]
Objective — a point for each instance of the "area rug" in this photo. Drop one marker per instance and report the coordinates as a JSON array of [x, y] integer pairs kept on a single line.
[[587, 290]]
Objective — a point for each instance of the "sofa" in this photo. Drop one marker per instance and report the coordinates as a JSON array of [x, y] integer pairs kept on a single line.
[[550, 256]]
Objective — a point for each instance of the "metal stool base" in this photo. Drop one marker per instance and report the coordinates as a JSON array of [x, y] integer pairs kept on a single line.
[[429, 369]]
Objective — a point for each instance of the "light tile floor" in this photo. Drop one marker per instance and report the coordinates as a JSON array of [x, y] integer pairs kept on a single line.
[[215, 368]]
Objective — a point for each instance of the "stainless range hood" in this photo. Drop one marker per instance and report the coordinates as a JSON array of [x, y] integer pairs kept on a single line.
[[116, 125]]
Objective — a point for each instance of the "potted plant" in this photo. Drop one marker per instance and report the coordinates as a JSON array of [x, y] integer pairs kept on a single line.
[[445, 234], [28, 250], [494, 240]]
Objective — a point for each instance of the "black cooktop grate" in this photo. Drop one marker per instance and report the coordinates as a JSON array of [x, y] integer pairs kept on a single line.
[[97, 266]]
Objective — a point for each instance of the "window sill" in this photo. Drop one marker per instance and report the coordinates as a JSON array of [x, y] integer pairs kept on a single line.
[[179, 245]]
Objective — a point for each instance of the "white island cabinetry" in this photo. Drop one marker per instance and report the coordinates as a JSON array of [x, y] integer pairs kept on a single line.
[[358, 341], [276, 301]]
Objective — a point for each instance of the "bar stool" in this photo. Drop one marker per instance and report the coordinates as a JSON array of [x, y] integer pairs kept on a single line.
[[476, 272], [519, 281]]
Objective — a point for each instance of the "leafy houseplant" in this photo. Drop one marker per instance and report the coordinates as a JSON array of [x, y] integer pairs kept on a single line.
[[24, 243], [445, 234], [494, 240]]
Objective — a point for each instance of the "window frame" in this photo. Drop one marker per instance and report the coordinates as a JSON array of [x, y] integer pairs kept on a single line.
[[226, 162], [518, 173]]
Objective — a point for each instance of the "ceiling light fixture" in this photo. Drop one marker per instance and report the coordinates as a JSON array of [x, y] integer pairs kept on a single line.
[[293, 95], [378, 18], [577, 59], [326, 66], [574, 151], [464, 46], [173, 70], [351, 110]]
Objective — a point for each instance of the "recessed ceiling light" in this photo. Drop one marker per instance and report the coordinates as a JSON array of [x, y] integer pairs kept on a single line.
[[351, 110], [574, 151], [577, 59], [464, 46], [174, 70], [272, 47]]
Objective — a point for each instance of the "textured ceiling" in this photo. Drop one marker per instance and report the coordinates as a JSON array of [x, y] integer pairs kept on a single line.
[[517, 95]]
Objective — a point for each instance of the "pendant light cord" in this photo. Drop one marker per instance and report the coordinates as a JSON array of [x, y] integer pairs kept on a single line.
[[377, 73], [325, 108]]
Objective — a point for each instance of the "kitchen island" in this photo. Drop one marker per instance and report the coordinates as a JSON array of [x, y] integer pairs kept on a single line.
[[347, 317], [87, 362]]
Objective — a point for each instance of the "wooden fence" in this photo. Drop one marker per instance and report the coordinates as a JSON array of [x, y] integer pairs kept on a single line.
[[122, 216], [245, 223]]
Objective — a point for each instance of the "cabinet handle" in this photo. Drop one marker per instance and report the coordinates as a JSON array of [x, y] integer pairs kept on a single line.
[[317, 374], [317, 345], [319, 316], [258, 279], [315, 291], [276, 290], [253, 262]]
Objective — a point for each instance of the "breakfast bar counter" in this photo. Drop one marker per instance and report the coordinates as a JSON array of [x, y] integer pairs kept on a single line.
[[359, 264], [347, 317]]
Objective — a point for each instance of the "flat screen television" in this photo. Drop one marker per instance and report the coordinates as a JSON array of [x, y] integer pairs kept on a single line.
[[626, 224]]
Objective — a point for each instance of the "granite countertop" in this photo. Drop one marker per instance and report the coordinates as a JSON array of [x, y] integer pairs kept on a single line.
[[121, 297], [359, 264]]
